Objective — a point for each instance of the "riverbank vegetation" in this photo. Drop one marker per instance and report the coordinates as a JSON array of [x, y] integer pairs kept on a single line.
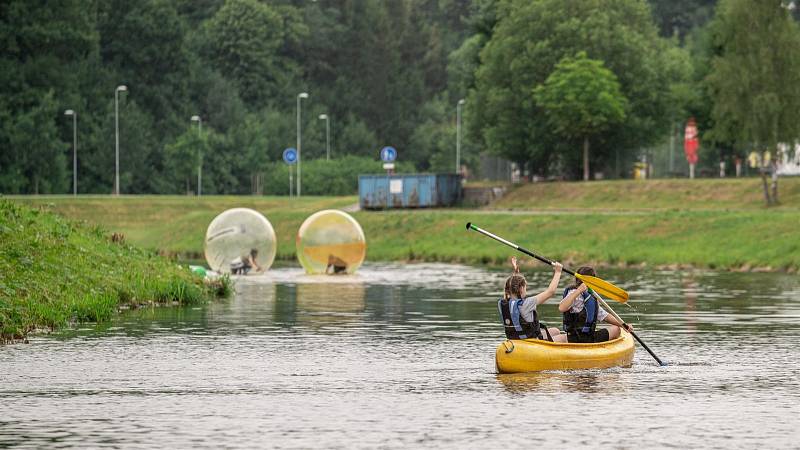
[[55, 272], [627, 223]]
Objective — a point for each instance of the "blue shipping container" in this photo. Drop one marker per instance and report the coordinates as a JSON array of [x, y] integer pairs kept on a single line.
[[408, 191]]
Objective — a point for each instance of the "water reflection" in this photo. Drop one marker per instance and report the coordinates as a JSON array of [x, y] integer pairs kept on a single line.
[[329, 304], [403, 356], [586, 381]]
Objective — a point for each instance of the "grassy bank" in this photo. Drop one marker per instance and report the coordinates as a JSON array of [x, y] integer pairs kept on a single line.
[[696, 231], [668, 194], [54, 272], [726, 240]]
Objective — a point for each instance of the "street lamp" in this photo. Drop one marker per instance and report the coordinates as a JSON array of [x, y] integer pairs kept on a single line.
[[299, 96], [199, 155], [327, 135], [74, 115], [458, 135], [116, 128]]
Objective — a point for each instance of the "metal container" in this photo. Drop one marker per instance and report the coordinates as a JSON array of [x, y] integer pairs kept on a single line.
[[408, 191]]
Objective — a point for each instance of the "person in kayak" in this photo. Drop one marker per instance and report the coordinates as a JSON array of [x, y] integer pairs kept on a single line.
[[582, 311], [242, 264], [519, 315]]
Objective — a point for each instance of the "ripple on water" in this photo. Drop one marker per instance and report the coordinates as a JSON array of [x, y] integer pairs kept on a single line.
[[402, 356]]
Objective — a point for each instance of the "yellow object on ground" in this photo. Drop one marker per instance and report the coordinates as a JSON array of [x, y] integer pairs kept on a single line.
[[533, 355]]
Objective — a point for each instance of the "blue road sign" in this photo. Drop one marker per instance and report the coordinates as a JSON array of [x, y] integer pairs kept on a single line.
[[290, 155], [388, 154]]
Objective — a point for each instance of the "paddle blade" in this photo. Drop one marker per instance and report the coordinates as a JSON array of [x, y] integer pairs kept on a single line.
[[604, 288]]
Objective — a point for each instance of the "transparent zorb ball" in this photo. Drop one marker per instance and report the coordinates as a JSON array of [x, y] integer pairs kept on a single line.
[[235, 235], [331, 242]]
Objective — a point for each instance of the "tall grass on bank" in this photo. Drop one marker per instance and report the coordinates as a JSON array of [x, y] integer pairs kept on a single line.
[[55, 272]]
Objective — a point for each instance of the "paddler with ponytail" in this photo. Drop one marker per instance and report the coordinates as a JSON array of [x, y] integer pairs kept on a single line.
[[582, 312], [519, 316]]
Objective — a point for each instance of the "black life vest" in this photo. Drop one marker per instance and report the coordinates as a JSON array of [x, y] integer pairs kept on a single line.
[[582, 323], [515, 325]]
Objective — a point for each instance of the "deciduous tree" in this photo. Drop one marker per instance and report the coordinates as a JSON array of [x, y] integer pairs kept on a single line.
[[755, 79], [581, 99]]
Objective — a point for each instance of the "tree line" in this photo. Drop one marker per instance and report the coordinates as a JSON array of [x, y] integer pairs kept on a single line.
[[553, 85]]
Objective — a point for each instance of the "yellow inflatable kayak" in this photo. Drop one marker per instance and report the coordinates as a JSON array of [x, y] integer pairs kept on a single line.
[[533, 355]]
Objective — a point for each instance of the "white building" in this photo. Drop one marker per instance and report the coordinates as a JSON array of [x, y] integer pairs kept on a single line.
[[788, 164]]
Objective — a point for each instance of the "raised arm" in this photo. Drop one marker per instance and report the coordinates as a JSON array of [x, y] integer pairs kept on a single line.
[[551, 289], [566, 302]]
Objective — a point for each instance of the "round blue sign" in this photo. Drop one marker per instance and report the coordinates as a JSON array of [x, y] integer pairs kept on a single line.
[[290, 155], [388, 154]]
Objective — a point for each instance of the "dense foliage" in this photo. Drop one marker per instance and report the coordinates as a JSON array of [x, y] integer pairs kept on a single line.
[[385, 72], [581, 99], [239, 65], [527, 43]]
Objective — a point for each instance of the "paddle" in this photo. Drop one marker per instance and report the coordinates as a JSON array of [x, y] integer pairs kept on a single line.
[[607, 288], [597, 284], [641, 342]]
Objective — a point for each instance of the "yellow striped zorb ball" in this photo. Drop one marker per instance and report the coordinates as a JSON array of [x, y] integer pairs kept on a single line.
[[233, 235], [331, 242]]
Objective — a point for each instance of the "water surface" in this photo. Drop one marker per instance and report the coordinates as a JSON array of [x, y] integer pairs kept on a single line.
[[403, 356]]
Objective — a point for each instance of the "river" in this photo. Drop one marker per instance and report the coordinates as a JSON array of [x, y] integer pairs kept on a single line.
[[403, 356]]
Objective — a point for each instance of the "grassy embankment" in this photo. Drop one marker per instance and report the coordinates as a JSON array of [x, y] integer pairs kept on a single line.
[[663, 194], [703, 223], [55, 272]]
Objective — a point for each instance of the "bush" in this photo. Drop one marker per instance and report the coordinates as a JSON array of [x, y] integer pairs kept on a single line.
[[320, 177]]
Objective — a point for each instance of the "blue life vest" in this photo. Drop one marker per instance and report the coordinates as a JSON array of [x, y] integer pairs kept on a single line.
[[585, 321], [515, 325]]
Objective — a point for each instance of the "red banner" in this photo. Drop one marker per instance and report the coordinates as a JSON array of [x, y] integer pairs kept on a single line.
[[690, 141]]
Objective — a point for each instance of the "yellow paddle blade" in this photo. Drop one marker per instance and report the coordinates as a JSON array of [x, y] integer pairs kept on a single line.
[[604, 288]]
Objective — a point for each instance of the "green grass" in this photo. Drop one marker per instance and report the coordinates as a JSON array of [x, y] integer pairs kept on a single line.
[[176, 225], [726, 240], [669, 194], [699, 233], [55, 272]]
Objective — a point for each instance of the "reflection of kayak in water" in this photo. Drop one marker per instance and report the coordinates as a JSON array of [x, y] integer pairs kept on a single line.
[[532, 355]]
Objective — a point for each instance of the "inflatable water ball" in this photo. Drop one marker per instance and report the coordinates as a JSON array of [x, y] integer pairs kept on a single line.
[[235, 235], [331, 242]]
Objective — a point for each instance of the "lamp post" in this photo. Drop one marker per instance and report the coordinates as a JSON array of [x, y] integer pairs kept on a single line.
[[199, 156], [119, 89], [301, 95], [74, 115], [458, 135], [327, 135]]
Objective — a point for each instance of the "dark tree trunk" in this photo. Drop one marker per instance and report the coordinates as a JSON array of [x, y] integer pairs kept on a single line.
[[766, 188], [586, 159]]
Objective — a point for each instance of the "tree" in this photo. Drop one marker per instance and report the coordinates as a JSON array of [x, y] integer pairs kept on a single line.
[[530, 38], [40, 154], [581, 99], [243, 40], [755, 79], [43, 45], [679, 17], [182, 158]]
